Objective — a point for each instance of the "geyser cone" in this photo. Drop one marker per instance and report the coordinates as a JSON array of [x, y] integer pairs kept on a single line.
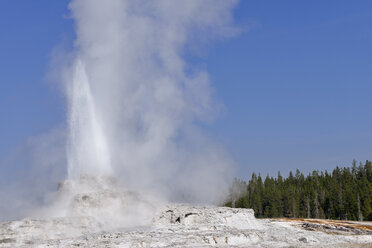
[[107, 202]]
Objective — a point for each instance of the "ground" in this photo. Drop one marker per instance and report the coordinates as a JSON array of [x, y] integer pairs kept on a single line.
[[178, 225], [97, 212]]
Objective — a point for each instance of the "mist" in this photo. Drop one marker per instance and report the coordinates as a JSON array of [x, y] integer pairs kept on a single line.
[[134, 107], [134, 103], [29, 174]]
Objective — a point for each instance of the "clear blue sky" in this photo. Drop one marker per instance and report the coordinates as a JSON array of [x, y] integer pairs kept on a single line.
[[296, 86]]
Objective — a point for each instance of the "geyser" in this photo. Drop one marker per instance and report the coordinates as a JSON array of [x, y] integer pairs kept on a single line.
[[134, 103], [87, 148]]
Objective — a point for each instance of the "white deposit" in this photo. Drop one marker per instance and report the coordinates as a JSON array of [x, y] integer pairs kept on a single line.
[[101, 215]]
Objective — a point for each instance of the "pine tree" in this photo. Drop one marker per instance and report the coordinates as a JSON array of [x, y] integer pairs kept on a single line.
[[346, 193]]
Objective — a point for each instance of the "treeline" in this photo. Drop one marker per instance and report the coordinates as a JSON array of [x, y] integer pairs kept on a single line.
[[345, 194]]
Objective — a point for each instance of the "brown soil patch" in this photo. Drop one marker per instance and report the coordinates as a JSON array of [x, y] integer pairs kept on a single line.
[[344, 223], [332, 226]]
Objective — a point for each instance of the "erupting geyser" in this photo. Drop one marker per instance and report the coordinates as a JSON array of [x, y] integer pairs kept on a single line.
[[134, 146], [87, 148], [134, 103]]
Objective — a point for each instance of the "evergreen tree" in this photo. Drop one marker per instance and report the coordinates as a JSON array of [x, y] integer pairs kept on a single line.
[[346, 193]]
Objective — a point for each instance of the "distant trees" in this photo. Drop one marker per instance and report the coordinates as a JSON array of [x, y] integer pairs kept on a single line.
[[346, 193]]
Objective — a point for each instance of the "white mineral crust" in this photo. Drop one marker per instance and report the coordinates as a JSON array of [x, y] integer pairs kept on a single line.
[[172, 225]]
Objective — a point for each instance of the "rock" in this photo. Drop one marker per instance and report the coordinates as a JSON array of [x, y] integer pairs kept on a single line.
[[303, 239]]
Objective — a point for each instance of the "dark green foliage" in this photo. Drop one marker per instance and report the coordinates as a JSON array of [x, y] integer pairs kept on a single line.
[[346, 194]]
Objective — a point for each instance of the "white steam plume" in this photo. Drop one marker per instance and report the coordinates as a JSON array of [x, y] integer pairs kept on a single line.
[[133, 108]]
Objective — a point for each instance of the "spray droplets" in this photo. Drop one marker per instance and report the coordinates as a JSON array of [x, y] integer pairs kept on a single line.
[[88, 149]]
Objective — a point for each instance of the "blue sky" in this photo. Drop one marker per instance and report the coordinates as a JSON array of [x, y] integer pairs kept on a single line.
[[296, 85]]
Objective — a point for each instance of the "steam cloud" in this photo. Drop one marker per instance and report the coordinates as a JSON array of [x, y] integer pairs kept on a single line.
[[134, 104], [133, 107]]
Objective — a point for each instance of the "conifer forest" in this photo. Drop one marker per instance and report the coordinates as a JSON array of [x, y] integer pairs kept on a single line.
[[345, 194]]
